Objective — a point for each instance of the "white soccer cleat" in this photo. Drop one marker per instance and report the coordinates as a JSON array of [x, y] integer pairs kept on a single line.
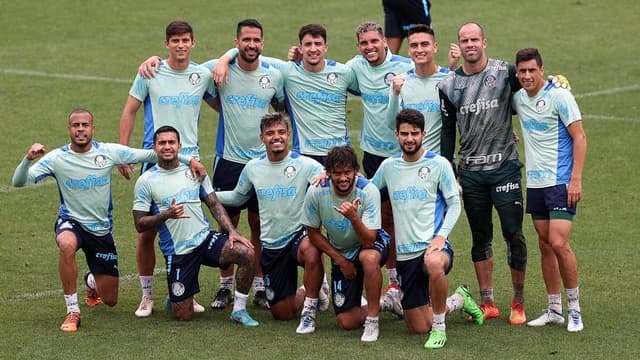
[[323, 298], [548, 317], [145, 308], [371, 331], [307, 323], [574, 321]]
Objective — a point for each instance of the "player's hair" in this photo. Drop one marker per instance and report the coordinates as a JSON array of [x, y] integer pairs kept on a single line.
[[411, 117], [270, 119], [314, 30], [164, 129], [80, 111], [368, 26], [472, 23], [421, 28], [253, 23], [341, 156], [178, 27], [529, 54]]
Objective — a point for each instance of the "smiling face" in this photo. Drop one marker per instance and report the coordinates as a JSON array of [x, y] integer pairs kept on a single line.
[[249, 43], [422, 48], [275, 138], [312, 49], [167, 146], [531, 76], [343, 178], [179, 47], [372, 45], [410, 138]]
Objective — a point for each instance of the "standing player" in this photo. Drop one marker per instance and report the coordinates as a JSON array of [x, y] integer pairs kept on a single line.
[[172, 98], [400, 16], [316, 93], [253, 86], [348, 207], [477, 97], [169, 200], [555, 150], [426, 206], [82, 171], [280, 181], [417, 88]]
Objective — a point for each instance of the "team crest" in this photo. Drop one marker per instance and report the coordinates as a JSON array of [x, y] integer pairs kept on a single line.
[[332, 78], [338, 299], [290, 172], [264, 81], [100, 161], [194, 78], [424, 172], [490, 81], [189, 175], [388, 78], [177, 288], [540, 105]]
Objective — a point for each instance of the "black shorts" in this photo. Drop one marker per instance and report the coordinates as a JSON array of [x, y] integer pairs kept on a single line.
[[183, 270], [370, 164], [414, 280], [401, 15], [549, 203], [347, 293], [225, 177], [280, 269], [99, 251]]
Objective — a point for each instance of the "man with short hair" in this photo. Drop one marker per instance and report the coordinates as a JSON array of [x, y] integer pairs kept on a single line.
[[280, 181], [348, 207], [172, 98], [83, 170], [426, 205], [169, 200], [555, 147]]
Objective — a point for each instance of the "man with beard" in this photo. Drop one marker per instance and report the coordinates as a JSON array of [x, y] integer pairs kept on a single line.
[[83, 171], [426, 205], [348, 207], [280, 181], [253, 86]]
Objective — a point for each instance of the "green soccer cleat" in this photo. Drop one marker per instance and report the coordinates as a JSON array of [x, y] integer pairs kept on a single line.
[[437, 339], [469, 305]]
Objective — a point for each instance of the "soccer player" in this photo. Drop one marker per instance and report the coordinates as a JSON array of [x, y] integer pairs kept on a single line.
[[477, 97], [555, 147], [253, 86], [82, 170], [280, 181], [316, 93], [426, 205], [348, 207], [416, 89], [173, 97], [402, 15], [169, 200]]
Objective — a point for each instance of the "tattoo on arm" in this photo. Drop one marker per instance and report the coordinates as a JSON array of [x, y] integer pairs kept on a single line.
[[219, 213], [145, 221]]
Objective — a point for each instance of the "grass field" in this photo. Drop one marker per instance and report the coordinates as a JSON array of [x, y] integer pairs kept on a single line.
[[58, 55]]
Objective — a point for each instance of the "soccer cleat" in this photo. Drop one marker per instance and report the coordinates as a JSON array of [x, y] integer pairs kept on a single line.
[[548, 317], [260, 300], [222, 299], [392, 299], [197, 308], [371, 330], [437, 339], [243, 318], [323, 298], [307, 323], [92, 299], [469, 305], [71, 322], [517, 316], [145, 308], [574, 321], [490, 310]]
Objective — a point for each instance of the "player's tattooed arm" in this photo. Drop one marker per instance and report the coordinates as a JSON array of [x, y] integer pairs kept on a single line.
[[219, 213]]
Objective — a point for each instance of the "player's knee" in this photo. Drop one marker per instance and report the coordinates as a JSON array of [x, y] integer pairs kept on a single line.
[[109, 300], [346, 321], [481, 252]]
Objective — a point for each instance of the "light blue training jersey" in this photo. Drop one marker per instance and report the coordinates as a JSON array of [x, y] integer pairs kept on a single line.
[[84, 180], [173, 97], [244, 100], [378, 134], [424, 199], [319, 210], [154, 192], [420, 93], [548, 147], [280, 188], [317, 104]]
